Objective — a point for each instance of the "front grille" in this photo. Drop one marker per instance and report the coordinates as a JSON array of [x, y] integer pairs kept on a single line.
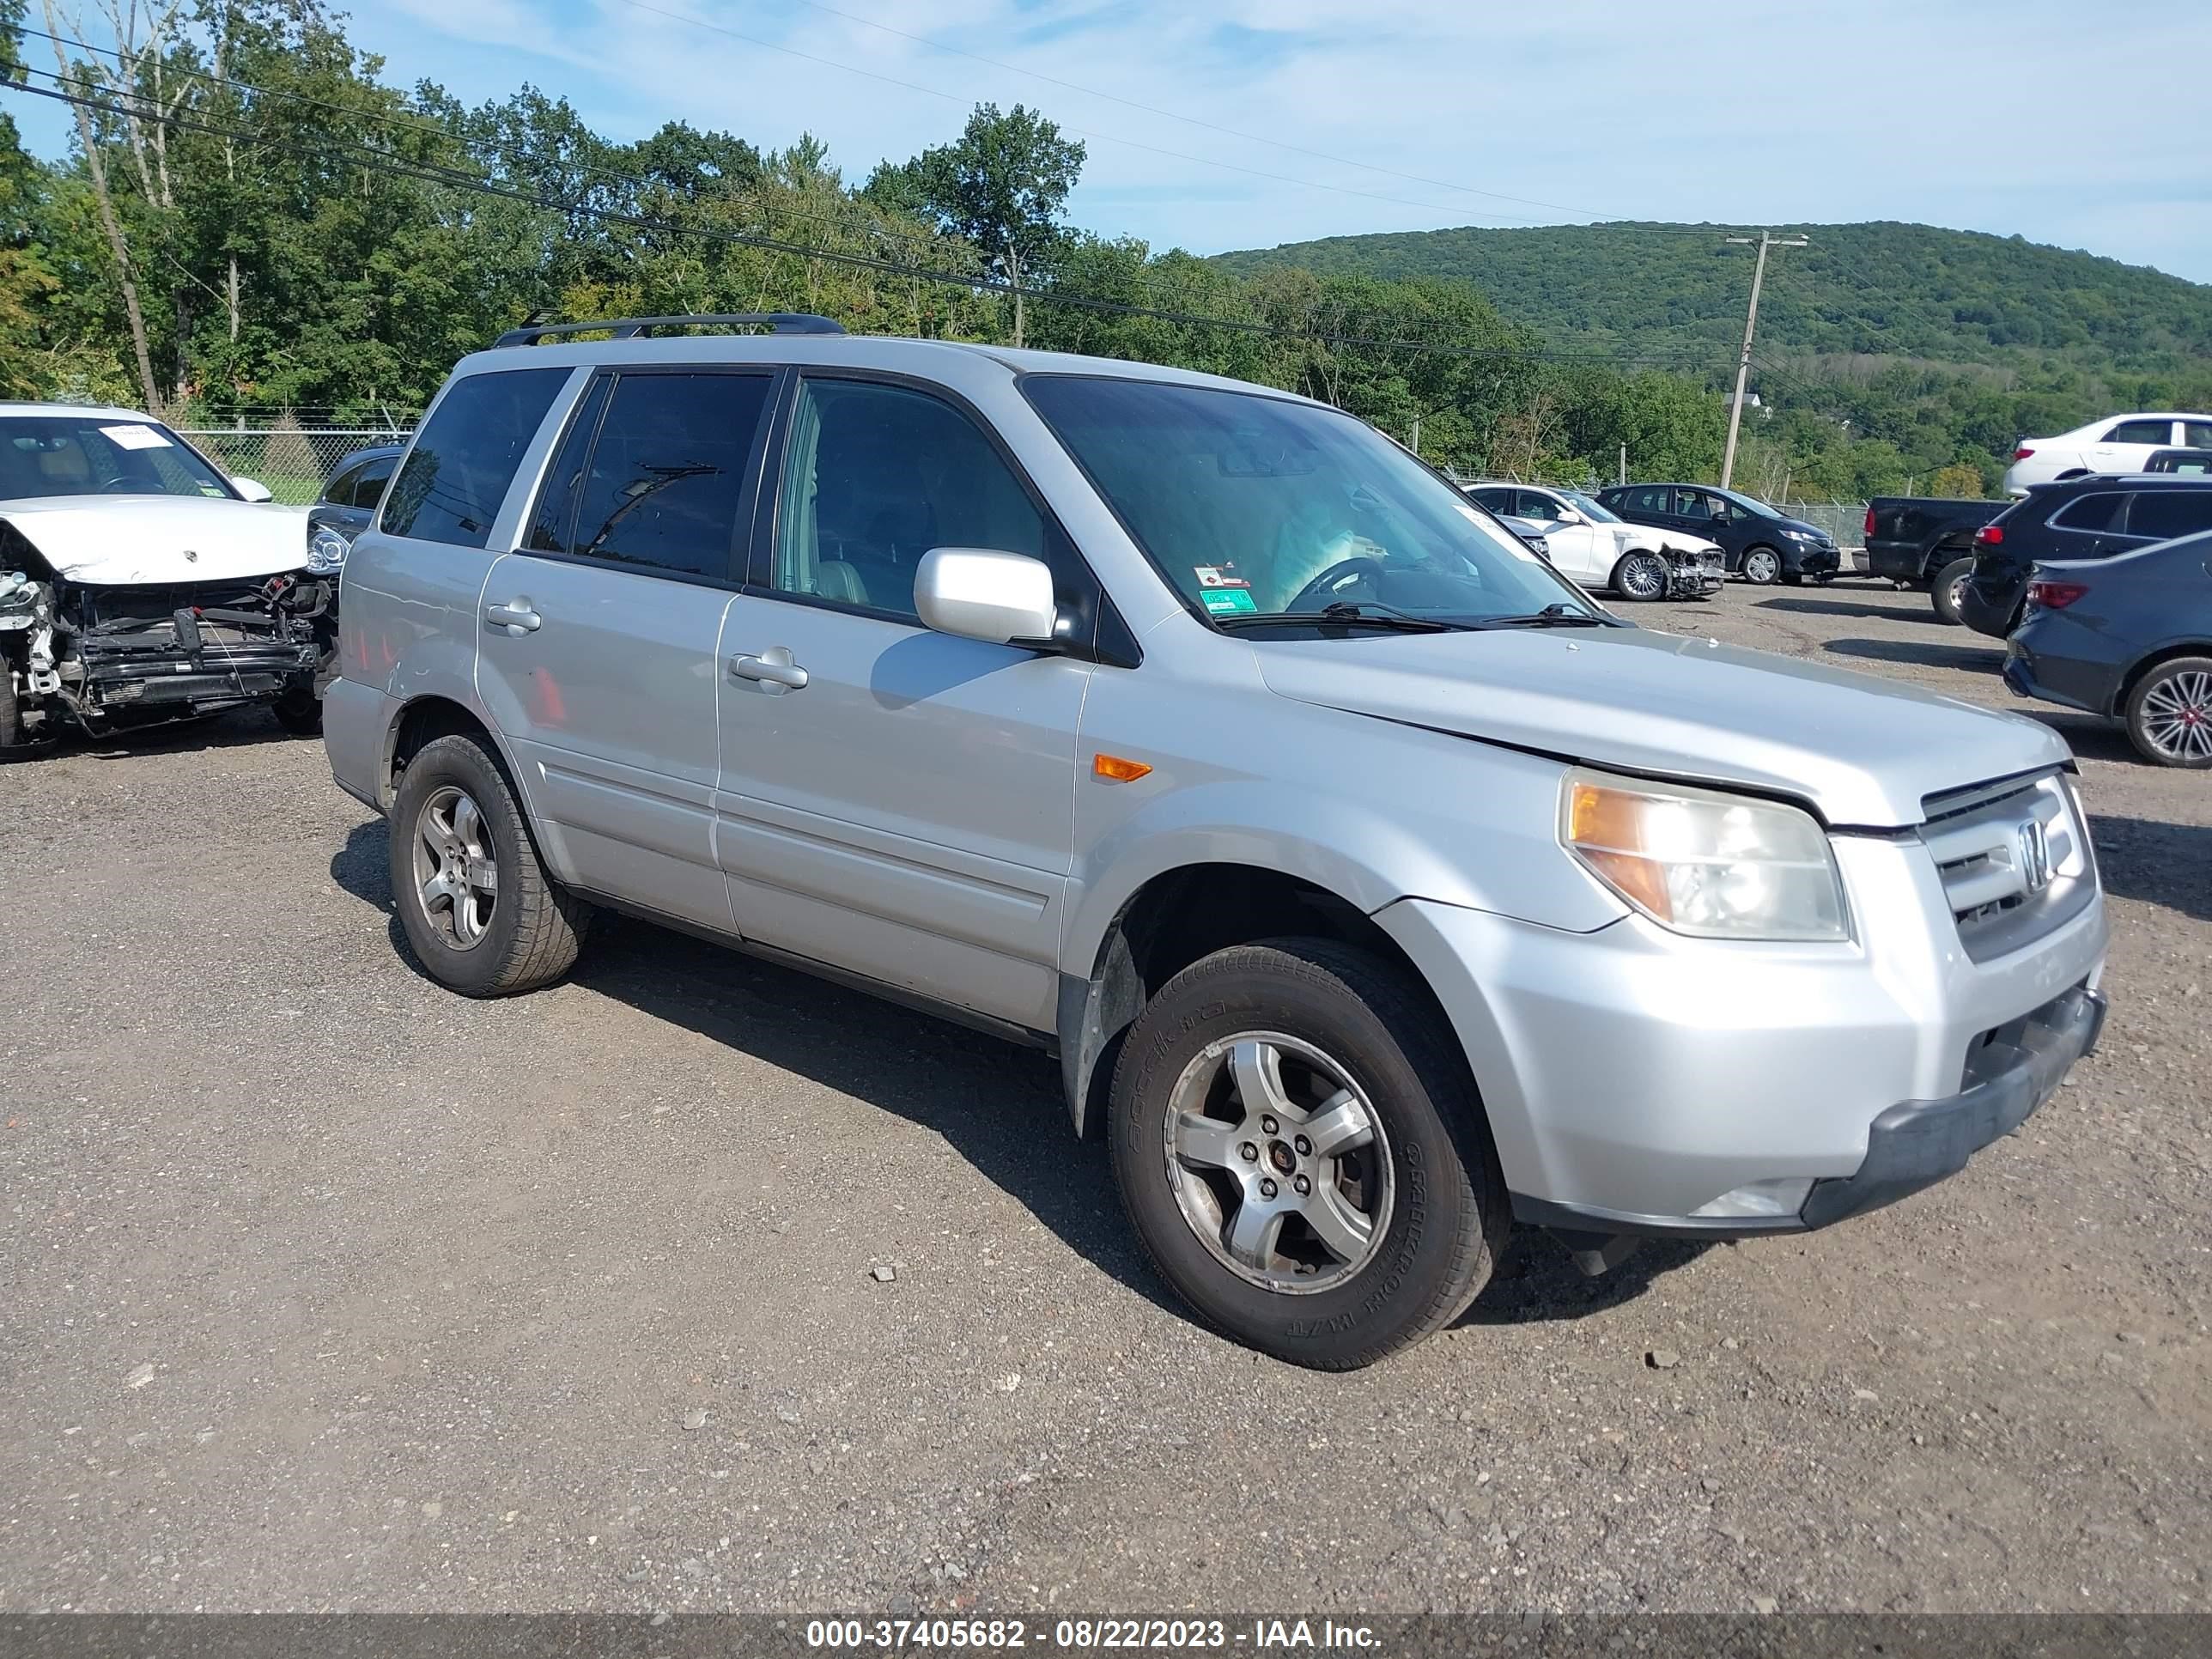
[[2013, 858]]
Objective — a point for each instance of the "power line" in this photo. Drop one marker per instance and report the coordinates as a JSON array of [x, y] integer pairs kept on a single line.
[[1172, 115], [429, 173]]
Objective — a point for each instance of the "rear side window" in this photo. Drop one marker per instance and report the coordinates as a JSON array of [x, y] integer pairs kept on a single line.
[[2100, 511], [1650, 498], [660, 480], [2141, 431], [2159, 515], [465, 458]]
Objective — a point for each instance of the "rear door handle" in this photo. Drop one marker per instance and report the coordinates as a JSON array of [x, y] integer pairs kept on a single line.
[[515, 617], [773, 666]]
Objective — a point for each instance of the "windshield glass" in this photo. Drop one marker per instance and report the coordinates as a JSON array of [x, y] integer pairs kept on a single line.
[[1591, 510], [1254, 506], [91, 455], [1749, 505]]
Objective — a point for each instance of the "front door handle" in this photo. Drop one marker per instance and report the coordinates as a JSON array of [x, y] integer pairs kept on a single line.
[[773, 666], [515, 617]]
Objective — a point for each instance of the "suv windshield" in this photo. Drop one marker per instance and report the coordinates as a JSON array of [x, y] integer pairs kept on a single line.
[[1257, 507], [91, 455]]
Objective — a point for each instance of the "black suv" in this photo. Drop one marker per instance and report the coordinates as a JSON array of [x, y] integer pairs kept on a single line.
[[1761, 545], [2092, 517]]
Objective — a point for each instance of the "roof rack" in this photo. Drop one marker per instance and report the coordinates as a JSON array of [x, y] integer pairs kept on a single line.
[[631, 328]]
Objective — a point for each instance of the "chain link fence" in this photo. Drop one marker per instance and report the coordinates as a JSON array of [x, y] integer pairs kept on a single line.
[[292, 460]]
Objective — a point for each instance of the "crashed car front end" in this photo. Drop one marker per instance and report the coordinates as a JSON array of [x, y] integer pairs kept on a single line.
[[1691, 574], [99, 657]]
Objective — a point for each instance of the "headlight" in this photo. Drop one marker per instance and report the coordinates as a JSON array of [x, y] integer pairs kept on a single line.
[[326, 550], [1699, 862]]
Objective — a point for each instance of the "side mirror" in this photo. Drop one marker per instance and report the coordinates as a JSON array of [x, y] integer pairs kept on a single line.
[[979, 594], [1571, 515], [252, 488]]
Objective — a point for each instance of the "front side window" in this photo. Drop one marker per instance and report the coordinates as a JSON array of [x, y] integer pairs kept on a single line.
[[2160, 515], [1536, 505], [465, 456], [652, 473], [2141, 431], [90, 455], [1696, 504], [874, 477], [368, 484], [1252, 506]]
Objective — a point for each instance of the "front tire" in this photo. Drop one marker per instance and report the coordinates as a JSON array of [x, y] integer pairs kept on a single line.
[[1301, 1152], [300, 713], [1948, 592], [483, 917], [2169, 713], [1762, 567], [1641, 577]]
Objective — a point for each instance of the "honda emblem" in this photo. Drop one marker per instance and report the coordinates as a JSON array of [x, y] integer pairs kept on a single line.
[[2034, 855]]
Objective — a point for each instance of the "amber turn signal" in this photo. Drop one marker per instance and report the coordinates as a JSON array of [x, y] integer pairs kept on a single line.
[[1114, 769]]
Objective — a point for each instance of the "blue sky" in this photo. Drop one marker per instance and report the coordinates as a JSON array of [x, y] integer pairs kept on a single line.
[[2088, 129]]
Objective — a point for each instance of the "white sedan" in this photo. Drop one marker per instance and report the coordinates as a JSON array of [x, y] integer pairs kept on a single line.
[[1599, 549], [2118, 443]]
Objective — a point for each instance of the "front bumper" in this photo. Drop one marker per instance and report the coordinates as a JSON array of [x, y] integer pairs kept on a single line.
[[1631, 1077], [1811, 559]]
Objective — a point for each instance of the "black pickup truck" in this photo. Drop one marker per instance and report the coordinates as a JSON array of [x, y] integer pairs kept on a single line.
[[1919, 542]]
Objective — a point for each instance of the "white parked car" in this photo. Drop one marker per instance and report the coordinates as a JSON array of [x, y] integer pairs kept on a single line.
[[141, 584], [2118, 443], [1599, 549]]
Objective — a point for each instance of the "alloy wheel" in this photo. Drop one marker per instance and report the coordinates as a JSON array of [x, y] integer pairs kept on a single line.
[[2177, 716], [1642, 578], [1279, 1162], [455, 873]]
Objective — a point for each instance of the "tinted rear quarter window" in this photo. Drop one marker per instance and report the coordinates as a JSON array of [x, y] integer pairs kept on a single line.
[[2161, 515], [465, 456], [2098, 511], [339, 491]]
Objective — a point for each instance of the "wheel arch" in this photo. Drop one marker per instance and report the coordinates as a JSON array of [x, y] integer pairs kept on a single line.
[[1176, 917], [2151, 659]]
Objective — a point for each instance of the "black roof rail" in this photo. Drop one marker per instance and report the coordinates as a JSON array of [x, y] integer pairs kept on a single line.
[[631, 328]]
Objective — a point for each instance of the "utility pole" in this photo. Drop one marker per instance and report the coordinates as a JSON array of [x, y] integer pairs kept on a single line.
[[1766, 239], [1623, 478]]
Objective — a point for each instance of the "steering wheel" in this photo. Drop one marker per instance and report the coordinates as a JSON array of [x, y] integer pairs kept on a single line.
[[1334, 577], [120, 485]]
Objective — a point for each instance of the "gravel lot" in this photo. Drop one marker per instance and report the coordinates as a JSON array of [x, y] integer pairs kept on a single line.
[[323, 1288]]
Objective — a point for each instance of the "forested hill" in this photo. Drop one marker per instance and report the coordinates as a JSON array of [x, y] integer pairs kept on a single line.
[[1883, 290]]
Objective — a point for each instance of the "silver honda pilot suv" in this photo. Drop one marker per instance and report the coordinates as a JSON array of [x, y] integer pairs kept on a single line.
[[1375, 887]]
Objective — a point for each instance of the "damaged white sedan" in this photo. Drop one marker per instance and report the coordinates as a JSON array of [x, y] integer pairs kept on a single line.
[[140, 585]]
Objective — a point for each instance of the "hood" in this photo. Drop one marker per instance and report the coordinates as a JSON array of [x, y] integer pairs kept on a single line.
[[1626, 536], [115, 541], [1862, 751]]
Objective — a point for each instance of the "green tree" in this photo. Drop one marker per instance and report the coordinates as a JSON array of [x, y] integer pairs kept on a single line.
[[1002, 186]]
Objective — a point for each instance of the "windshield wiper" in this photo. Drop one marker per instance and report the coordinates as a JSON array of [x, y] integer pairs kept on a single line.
[[1555, 615], [1345, 613]]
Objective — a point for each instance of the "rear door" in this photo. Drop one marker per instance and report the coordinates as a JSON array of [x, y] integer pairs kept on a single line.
[[2088, 527], [896, 802], [600, 632], [2126, 445]]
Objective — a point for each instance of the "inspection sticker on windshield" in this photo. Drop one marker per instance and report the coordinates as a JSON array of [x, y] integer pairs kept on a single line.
[[1228, 601], [135, 437]]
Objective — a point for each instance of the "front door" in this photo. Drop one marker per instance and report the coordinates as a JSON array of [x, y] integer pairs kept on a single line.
[[600, 633], [895, 802], [1580, 549]]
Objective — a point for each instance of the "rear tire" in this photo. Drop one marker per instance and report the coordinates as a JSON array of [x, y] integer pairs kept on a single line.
[[1947, 591], [1762, 566], [1641, 577], [1408, 1209], [483, 917], [2169, 713]]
